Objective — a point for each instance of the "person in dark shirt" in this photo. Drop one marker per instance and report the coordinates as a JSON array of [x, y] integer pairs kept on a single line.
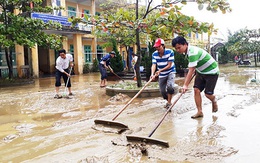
[[104, 64]]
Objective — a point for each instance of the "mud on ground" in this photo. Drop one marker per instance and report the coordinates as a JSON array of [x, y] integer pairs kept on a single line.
[[35, 127]]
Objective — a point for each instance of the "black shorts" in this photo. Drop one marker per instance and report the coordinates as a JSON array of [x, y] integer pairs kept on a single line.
[[207, 82], [58, 76]]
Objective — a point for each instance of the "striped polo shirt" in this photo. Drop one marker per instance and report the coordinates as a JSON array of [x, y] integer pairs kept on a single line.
[[202, 60], [162, 62]]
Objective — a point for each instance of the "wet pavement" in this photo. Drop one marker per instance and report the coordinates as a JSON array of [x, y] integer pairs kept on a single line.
[[35, 127]]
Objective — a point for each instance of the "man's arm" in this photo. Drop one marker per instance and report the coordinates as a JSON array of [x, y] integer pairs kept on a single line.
[[188, 79], [59, 66], [153, 68], [110, 68], [169, 65], [71, 64]]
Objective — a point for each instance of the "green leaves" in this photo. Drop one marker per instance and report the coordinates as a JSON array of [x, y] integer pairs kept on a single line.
[[244, 41], [21, 29], [119, 20]]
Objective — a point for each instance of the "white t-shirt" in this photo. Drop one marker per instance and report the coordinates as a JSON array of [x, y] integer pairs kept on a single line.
[[62, 64], [134, 60]]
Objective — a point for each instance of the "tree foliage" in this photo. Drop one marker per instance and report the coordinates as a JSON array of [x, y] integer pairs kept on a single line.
[[130, 24], [243, 41], [17, 28], [116, 62], [224, 55]]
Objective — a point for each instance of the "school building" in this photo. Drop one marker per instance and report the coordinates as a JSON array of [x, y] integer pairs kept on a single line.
[[81, 43]]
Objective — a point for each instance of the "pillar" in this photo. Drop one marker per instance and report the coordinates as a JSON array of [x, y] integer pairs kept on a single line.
[[35, 62], [65, 44], [63, 4], [78, 55], [52, 61], [94, 40], [19, 50]]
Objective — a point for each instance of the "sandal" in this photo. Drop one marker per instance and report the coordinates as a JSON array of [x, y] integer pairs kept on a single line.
[[57, 96], [198, 115], [214, 107], [167, 105]]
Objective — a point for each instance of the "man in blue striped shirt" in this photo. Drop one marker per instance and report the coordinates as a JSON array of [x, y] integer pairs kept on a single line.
[[163, 59]]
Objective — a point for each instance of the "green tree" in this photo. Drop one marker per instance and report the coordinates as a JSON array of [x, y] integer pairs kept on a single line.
[[224, 55], [122, 20], [116, 62], [20, 29], [243, 42]]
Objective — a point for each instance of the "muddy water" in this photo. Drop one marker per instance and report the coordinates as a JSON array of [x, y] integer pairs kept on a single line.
[[35, 127]]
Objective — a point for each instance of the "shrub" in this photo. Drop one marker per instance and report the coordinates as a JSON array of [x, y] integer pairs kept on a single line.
[[181, 61], [117, 62], [95, 66], [86, 68]]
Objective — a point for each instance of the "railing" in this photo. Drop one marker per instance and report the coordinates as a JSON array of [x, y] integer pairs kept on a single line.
[[63, 19], [4, 72], [25, 71], [90, 57], [70, 13]]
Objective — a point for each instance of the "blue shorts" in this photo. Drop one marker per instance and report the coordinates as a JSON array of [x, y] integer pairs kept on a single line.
[[103, 71]]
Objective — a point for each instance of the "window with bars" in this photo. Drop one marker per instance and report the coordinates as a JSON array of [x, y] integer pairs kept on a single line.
[[98, 13], [99, 52], [87, 53], [3, 61], [71, 50], [71, 11]]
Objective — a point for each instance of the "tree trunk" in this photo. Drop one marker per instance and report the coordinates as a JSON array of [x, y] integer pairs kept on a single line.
[[30, 61], [258, 57], [9, 60], [208, 47], [127, 58], [138, 75]]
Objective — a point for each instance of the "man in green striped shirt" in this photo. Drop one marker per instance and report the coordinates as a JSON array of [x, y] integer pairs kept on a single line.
[[206, 69]]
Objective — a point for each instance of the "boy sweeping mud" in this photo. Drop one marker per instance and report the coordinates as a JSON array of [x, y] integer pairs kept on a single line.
[[206, 73]]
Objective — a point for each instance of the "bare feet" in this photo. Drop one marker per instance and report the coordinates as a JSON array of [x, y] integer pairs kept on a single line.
[[197, 115], [214, 107]]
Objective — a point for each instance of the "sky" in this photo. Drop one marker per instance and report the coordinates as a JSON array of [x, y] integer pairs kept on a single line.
[[244, 14]]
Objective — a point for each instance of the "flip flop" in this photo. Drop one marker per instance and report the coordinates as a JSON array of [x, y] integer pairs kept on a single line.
[[197, 116]]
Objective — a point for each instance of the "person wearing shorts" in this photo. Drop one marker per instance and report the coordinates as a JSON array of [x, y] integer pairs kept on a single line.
[[206, 69], [104, 64], [63, 65]]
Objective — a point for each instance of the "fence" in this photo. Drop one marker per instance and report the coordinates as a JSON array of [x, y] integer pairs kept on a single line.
[[4, 72]]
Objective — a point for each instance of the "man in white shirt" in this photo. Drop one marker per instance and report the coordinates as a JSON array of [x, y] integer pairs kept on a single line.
[[134, 60], [63, 62]]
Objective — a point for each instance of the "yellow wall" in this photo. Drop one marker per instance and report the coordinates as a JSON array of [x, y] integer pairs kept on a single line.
[[77, 40]]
